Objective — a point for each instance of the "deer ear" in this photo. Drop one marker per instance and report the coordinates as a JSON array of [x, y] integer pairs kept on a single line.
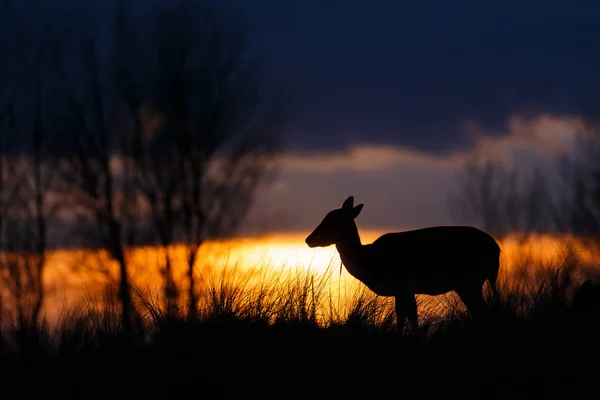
[[356, 210], [348, 204]]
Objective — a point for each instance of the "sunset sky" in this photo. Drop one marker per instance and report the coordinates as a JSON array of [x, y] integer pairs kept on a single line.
[[389, 97], [392, 95], [386, 99]]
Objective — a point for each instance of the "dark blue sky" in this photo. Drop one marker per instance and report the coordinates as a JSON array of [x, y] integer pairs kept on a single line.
[[410, 73]]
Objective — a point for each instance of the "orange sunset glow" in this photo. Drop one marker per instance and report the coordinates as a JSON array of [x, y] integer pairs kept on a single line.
[[180, 181], [275, 254]]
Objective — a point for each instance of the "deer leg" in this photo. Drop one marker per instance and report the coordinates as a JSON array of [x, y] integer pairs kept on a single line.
[[406, 307], [473, 299]]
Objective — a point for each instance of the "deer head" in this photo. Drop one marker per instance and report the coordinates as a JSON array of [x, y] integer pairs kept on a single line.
[[336, 226]]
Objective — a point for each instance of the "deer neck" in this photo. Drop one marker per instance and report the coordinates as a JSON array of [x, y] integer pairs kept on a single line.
[[350, 249]]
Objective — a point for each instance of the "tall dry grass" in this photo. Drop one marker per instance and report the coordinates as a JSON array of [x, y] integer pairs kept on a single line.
[[296, 326]]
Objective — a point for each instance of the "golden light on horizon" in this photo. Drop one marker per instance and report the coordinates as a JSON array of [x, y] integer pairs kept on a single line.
[[72, 273]]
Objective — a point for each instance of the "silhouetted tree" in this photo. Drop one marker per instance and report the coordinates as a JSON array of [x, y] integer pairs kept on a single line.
[[26, 173], [96, 177], [169, 129], [204, 122], [161, 134], [577, 209], [501, 199], [26, 211]]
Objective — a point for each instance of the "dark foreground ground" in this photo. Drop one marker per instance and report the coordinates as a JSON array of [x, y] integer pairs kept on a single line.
[[557, 357], [539, 344]]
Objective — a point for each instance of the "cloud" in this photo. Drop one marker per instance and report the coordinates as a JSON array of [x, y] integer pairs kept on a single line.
[[361, 158], [401, 187], [541, 136], [409, 73], [545, 136]]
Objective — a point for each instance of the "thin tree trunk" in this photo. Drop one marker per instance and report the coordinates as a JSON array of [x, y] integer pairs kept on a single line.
[[171, 293], [124, 293], [192, 296], [39, 212]]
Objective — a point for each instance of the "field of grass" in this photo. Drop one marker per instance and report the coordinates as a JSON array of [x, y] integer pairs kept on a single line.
[[288, 336]]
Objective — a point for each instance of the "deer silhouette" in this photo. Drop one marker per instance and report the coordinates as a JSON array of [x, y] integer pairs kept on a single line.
[[432, 261]]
